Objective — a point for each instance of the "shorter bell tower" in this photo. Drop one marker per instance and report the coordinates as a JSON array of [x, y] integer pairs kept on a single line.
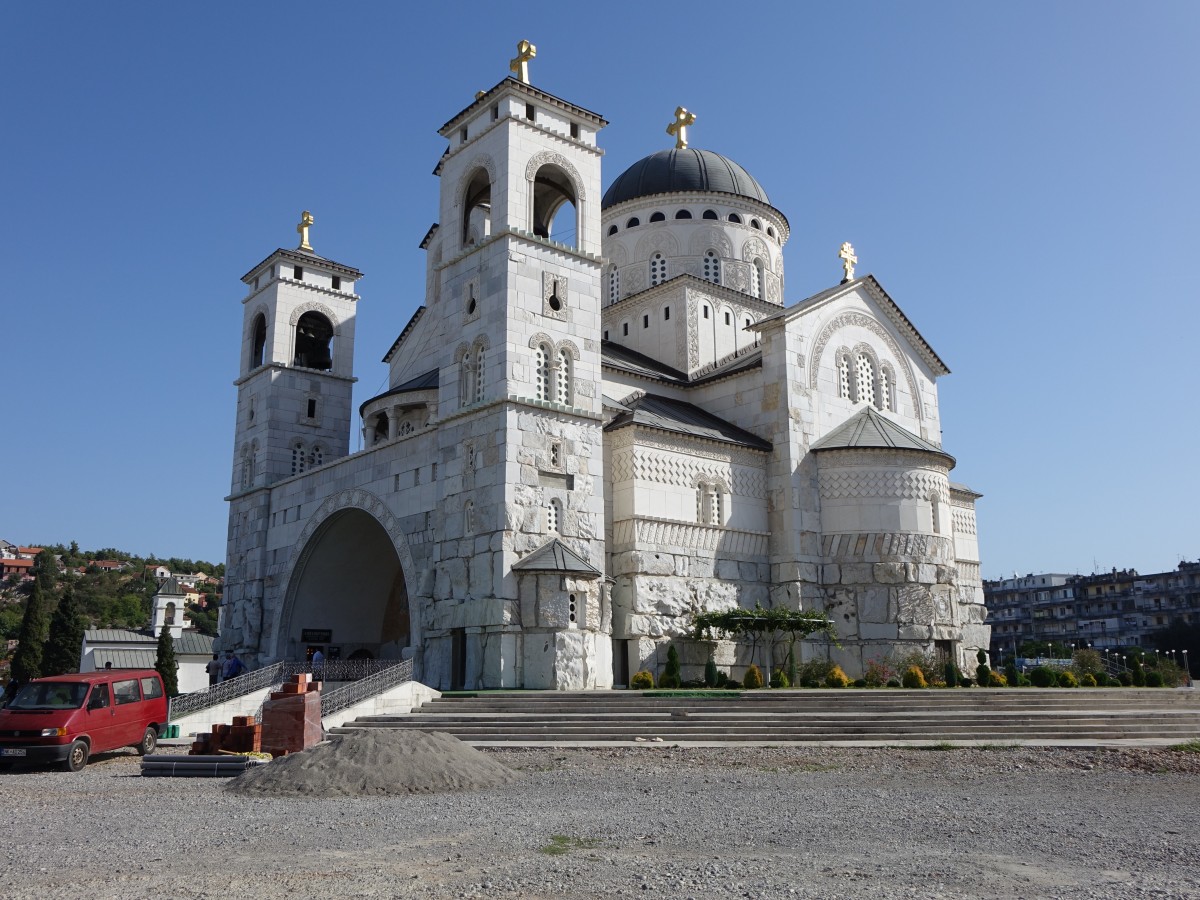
[[296, 371]]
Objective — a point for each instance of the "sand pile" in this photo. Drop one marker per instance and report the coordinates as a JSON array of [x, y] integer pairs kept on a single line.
[[376, 762]]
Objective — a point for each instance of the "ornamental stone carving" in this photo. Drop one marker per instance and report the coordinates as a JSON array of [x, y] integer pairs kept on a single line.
[[755, 248], [662, 242], [862, 320], [314, 306], [550, 158], [710, 238]]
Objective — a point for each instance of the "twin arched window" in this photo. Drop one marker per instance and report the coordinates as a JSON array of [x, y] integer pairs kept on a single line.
[[554, 376], [712, 267], [658, 269], [304, 459], [249, 461], [862, 379], [471, 376], [710, 503]]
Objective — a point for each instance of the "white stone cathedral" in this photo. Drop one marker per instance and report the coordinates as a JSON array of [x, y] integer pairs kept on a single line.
[[604, 418]]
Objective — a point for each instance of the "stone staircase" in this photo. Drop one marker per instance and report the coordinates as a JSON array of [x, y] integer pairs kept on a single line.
[[1056, 717]]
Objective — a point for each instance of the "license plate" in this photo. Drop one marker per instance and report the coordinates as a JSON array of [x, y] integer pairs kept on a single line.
[[12, 751]]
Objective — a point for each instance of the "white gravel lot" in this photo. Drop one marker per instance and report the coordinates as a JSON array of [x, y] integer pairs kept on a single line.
[[645, 822]]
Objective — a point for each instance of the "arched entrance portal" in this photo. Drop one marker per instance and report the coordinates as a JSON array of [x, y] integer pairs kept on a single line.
[[347, 594]]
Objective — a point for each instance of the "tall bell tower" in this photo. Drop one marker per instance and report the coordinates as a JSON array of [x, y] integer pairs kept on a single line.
[[296, 371]]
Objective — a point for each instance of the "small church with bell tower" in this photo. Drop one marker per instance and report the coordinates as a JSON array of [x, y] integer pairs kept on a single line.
[[603, 419]]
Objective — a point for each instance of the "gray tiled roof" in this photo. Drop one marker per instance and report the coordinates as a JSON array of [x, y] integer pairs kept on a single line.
[[423, 382], [125, 659], [617, 357], [665, 414], [193, 643], [870, 429], [116, 636], [555, 556]]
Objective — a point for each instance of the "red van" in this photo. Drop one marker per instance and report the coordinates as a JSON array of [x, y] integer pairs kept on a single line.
[[67, 718]]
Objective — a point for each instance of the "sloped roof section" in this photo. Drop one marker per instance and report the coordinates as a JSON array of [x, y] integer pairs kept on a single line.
[[617, 357], [555, 556], [665, 414], [125, 659], [116, 636], [870, 429], [193, 643], [426, 381], [170, 587]]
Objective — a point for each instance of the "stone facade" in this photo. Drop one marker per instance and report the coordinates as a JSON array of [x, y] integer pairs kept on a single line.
[[585, 442]]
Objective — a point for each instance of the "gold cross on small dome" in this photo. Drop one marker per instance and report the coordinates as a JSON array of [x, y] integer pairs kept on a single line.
[[306, 220], [846, 254], [678, 128], [520, 66]]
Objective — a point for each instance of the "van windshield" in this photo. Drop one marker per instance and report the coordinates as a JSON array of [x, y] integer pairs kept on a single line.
[[50, 695]]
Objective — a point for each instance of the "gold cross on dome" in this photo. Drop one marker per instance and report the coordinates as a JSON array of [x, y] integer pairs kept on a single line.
[[520, 66], [306, 220], [846, 254], [678, 128]]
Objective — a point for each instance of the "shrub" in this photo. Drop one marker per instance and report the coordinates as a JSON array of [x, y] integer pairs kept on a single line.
[[1043, 676], [930, 665], [1139, 674], [670, 677], [964, 681], [642, 681], [711, 675], [732, 684], [753, 679], [1067, 679], [780, 679], [914, 678], [836, 678], [722, 679], [860, 682], [1087, 679], [983, 675], [1012, 675], [878, 673], [950, 673], [1126, 679], [813, 672], [1154, 678], [893, 682], [981, 656], [1085, 661], [995, 679]]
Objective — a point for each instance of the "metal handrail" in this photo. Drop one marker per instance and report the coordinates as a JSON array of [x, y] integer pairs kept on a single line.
[[226, 690], [392, 674]]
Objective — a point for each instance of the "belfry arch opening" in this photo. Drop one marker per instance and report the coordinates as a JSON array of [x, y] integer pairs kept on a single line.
[[314, 342], [258, 343], [477, 209], [555, 206], [347, 593]]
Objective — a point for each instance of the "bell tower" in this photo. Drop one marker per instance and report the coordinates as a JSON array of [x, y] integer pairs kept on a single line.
[[296, 367]]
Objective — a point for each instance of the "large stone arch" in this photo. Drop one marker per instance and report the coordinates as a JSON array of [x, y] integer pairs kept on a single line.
[[351, 572]]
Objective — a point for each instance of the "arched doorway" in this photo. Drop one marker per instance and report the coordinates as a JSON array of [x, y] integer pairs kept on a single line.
[[347, 594]]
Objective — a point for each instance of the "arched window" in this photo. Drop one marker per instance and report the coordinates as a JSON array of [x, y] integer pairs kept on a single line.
[[683, 214], [258, 345], [710, 214], [710, 504], [754, 223], [614, 285], [297, 458], [169, 614], [563, 385], [406, 428], [314, 337], [247, 467], [712, 267], [381, 429], [935, 510], [612, 230], [658, 269], [633, 223], [466, 381], [756, 278], [317, 457], [887, 388], [735, 218], [469, 518], [477, 206], [573, 610], [770, 231], [541, 362], [479, 374], [554, 516], [657, 217], [843, 369], [864, 379], [555, 208]]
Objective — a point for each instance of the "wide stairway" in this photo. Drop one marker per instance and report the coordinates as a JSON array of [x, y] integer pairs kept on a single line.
[[1063, 717]]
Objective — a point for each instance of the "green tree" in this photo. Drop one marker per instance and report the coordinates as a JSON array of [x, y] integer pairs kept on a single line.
[[45, 569], [165, 663], [27, 661], [61, 654], [671, 677]]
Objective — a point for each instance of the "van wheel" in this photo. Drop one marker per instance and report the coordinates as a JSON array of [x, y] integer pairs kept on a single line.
[[77, 757], [149, 741]]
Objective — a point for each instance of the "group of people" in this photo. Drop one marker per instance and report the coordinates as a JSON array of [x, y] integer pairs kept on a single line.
[[223, 669]]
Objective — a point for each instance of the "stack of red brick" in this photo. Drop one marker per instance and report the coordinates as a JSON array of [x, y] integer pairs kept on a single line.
[[292, 717], [243, 736]]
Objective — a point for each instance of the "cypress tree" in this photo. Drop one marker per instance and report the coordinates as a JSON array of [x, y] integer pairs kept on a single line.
[[66, 636], [27, 661], [165, 664]]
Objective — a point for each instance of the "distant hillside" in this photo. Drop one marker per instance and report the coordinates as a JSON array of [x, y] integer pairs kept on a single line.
[[114, 589]]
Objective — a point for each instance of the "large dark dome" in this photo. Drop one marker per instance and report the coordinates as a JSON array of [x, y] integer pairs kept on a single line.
[[682, 170]]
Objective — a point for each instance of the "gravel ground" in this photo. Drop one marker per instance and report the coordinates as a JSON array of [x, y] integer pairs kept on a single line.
[[734, 822]]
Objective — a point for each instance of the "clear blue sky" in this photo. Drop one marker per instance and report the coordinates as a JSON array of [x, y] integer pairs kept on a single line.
[[1020, 176]]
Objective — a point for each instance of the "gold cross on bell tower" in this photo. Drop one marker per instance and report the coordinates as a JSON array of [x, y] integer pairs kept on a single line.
[[846, 254], [520, 66], [678, 128], [306, 220]]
